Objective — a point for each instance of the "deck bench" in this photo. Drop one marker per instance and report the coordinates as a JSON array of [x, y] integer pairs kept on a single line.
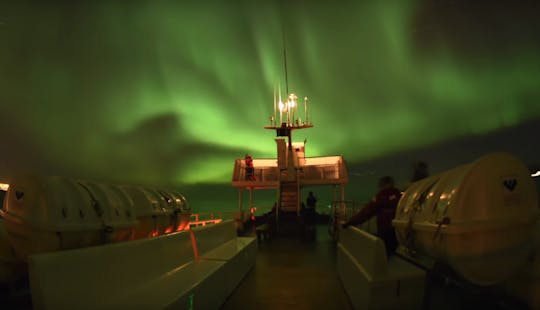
[[373, 281], [153, 273], [219, 243]]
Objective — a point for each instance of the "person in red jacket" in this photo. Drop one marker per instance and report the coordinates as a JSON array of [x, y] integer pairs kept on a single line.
[[383, 205], [250, 170]]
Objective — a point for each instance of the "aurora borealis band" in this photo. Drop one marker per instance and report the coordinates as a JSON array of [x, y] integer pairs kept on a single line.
[[170, 93]]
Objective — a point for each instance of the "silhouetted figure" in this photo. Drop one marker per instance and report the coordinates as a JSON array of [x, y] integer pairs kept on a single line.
[[420, 171], [303, 208], [250, 170], [383, 205], [311, 201]]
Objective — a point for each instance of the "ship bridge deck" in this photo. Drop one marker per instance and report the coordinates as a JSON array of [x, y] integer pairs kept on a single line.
[[321, 170]]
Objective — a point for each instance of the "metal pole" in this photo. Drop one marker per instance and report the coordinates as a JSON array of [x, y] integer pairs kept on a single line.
[[275, 107], [278, 206], [343, 196], [285, 64], [305, 111], [250, 198], [240, 199], [298, 192], [280, 107]]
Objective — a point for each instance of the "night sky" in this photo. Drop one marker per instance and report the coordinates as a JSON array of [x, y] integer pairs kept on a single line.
[[170, 94]]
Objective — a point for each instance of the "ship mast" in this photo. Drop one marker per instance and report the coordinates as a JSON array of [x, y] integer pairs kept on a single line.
[[290, 108]]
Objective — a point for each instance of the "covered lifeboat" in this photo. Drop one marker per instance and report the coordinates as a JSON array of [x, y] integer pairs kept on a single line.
[[44, 214], [478, 218]]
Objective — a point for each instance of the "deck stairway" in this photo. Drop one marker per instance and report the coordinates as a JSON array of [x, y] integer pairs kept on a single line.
[[289, 221], [289, 197]]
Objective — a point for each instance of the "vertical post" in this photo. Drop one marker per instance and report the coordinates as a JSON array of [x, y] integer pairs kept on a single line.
[[280, 106], [278, 198], [251, 210], [343, 196], [334, 200], [250, 198], [305, 111], [285, 65], [289, 136], [288, 112], [298, 192], [240, 199], [295, 106], [275, 107], [278, 205]]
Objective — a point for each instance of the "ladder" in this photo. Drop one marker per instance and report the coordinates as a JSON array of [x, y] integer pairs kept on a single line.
[[289, 196]]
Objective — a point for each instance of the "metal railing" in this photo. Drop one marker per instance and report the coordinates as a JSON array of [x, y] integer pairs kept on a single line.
[[206, 218], [330, 168], [342, 211], [265, 170]]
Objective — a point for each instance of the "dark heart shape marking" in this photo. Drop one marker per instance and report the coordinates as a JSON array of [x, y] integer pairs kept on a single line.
[[510, 184], [19, 195]]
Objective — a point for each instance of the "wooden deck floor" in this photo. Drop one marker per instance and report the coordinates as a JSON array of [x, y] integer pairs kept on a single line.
[[292, 274]]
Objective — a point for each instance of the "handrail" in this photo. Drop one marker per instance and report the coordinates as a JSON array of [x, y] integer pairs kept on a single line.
[[205, 218], [213, 215], [204, 222], [330, 170], [341, 211]]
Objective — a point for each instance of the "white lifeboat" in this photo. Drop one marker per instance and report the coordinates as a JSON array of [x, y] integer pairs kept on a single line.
[[479, 218]]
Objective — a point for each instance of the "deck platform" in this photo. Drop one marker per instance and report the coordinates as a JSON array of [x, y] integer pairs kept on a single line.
[[292, 274]]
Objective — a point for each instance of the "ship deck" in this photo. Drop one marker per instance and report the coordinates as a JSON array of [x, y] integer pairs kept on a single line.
[[292, 274]]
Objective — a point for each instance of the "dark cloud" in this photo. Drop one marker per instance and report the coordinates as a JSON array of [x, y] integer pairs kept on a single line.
[[475, 30], [519, 141]]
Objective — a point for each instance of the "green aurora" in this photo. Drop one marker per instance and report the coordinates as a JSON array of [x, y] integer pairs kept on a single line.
[[168, 93]]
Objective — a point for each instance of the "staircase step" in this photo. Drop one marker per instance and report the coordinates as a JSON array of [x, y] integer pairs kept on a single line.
[[289, 196], [288, 209], [288, 202]]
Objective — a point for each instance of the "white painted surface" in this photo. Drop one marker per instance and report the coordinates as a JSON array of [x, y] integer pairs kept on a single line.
[[371, 280], [153, 273]]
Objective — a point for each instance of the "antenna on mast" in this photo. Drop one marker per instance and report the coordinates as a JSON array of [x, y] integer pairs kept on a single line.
[[289, 107], [285, 64]]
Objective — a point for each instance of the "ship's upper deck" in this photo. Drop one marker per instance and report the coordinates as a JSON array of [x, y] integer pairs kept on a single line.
[[322, 170]]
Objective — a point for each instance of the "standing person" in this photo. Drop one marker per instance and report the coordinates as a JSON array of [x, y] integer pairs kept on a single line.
[[311, 201], [383, 205], [250, 170], [420, 171]]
